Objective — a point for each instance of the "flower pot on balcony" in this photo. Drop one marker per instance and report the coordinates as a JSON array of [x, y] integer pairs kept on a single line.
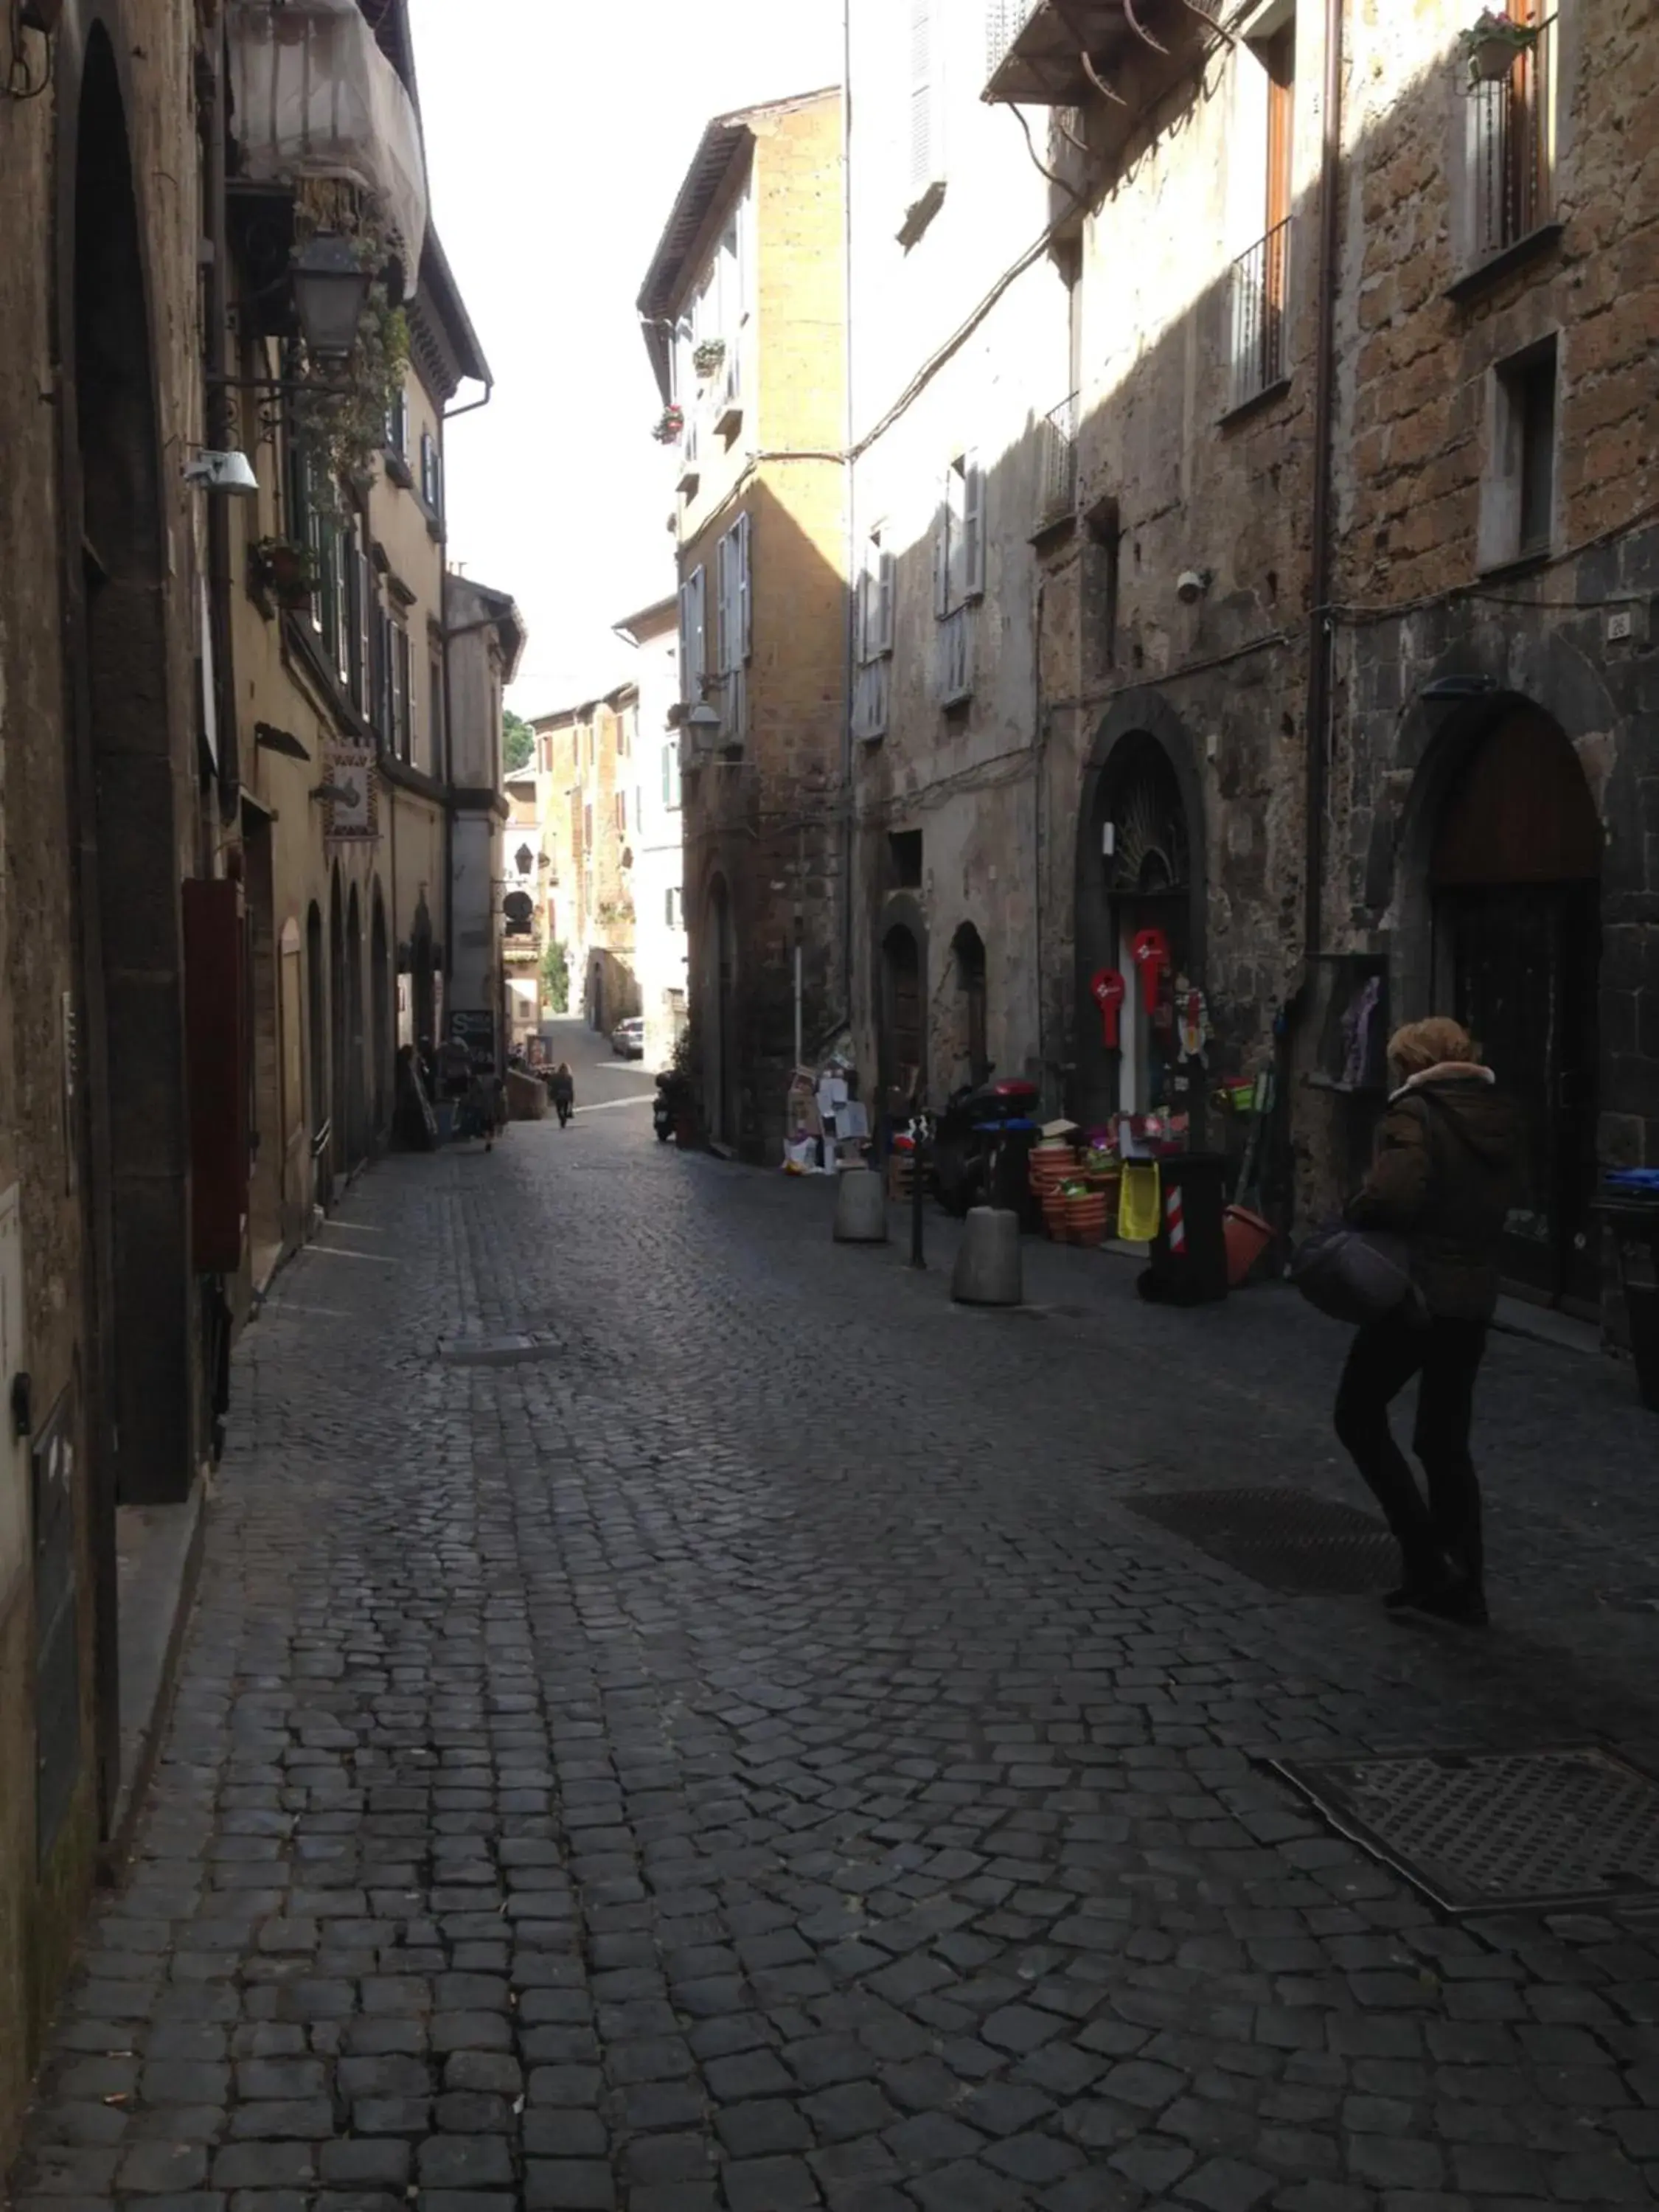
[[1491, 47], [287, 572], [708, 357]]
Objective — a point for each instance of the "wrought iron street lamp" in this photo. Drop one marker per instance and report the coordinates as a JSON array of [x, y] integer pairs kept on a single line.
[[331, 290]]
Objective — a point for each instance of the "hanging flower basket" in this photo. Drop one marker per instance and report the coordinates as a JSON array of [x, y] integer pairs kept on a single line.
[[1491, 47], [288, 571], [670, 425], [708, 357]]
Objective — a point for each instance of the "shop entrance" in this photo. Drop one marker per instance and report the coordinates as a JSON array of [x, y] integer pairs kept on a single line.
[[1516, 871], [1148, 886]]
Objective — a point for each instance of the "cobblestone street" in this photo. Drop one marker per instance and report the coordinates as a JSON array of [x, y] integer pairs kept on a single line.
[[736, 1748]]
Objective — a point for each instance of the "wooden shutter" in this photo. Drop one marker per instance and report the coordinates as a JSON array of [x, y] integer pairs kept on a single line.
[[743, 581], [883, 599], [925, 164], [973, 528], [698, 586]]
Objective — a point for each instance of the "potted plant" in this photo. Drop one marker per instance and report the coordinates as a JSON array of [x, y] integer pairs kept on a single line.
[[708, 357], [288, 571], [670, 424], [1493, 44]]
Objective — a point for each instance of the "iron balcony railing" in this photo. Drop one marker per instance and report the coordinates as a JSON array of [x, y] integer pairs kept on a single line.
[[956, 652], [1058, 494], [1261, 295], [1511, 150]]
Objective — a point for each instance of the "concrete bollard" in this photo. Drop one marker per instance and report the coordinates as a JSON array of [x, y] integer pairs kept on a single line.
[[988, 1271], [860, 1207]]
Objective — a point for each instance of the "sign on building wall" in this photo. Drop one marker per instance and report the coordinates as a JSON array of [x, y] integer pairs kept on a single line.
[[354, 803]]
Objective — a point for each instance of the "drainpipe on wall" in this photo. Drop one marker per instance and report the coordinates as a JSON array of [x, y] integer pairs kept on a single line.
[[1321, 645]]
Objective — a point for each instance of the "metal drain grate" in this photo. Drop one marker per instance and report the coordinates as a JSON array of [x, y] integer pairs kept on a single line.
[[1282, 1538], [495, 1350], [1481, 1831]]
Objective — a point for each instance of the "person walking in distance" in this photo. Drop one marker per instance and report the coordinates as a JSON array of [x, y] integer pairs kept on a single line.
[[562, 1086], [1444, 1175]]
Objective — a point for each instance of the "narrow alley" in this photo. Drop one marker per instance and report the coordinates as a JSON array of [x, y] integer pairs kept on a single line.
[[679, 1716]]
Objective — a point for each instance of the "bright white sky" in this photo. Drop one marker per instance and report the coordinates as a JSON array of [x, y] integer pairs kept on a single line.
[[557, 133]]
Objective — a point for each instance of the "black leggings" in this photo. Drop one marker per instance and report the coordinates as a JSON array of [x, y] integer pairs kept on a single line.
[[1446, 1355]]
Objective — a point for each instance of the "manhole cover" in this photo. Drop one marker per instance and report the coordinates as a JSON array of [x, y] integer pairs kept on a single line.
[[1481, 1831], [495, 1350], [1282, 1538]]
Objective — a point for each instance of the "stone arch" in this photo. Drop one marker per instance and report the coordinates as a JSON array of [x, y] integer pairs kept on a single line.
[[356, 1115], [1141, 745], [972, 1007], [902, 1000]]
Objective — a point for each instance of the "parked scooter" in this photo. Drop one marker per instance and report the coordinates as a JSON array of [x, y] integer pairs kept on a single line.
[[970, 1136]]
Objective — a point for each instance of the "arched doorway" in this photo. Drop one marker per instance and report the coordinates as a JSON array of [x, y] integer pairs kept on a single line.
[[720, 1100], [317, 1048], [382, 1046], [130, 855], [336, 1028], [904, 1031], [1516, 874], [1142, 847], [968, 952], [422, 988], [356, 1036]]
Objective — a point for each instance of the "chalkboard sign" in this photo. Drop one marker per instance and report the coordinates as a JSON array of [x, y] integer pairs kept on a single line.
[[476, 1030]]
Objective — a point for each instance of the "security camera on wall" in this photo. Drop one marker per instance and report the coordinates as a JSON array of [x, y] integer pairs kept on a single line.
[[1191, 585]]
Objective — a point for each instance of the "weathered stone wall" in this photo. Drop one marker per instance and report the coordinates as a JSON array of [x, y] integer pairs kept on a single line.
[[1418, 427], [44, 804]]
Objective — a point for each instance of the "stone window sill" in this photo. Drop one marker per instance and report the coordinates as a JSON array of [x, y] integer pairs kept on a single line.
[[1473, 283], [1257, 404]]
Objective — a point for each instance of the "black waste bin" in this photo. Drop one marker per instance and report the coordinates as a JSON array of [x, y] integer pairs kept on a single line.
[[1189, 1253], [1635, 1224]]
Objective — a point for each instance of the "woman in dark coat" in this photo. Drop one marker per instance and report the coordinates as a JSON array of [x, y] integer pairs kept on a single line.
[[1446, 1174], [562, 1088]]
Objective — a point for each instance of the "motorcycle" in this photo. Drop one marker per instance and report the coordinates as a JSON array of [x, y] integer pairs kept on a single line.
[[970, 1142]]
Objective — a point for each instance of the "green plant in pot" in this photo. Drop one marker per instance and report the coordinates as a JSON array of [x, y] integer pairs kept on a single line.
[[1493, 44], [708, 357], [287, 570]]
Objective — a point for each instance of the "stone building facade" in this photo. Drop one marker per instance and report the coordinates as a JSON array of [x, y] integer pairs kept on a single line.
[[743, 307], [110, 825], [587, 777], [659, 941]]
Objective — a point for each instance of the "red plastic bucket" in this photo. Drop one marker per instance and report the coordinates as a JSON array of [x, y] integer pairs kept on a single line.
[[1247, 1236]]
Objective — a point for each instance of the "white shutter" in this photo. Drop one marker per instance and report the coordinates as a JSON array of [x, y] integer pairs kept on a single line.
[[884, 600], [685, 641], [925, 163], [697, 662], [1003, 21], [745, 611], [722, 627], [942, 550], [973, 528]]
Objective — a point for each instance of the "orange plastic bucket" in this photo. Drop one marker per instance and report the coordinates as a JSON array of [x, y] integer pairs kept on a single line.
[[1247, 1236]]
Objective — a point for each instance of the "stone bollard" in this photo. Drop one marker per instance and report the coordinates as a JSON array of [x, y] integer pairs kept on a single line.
[[860, 1207], [988, 1271]]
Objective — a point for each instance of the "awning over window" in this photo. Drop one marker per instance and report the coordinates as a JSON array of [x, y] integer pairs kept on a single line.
[[314, 96], [1066, 52]]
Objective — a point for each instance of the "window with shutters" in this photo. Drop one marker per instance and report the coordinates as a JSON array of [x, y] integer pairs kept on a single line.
[[431, 473], [693, 662], [926, 174], [1261, 172], [670, 779], [733, 628], [873, 620], [434, 692], [959, 574]]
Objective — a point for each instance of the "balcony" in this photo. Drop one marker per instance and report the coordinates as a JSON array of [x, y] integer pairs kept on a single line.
[[1257, 312], [312, 95], [1057, 491], [872, 686], [956, 656], [1061, 53], [1511, 151]]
